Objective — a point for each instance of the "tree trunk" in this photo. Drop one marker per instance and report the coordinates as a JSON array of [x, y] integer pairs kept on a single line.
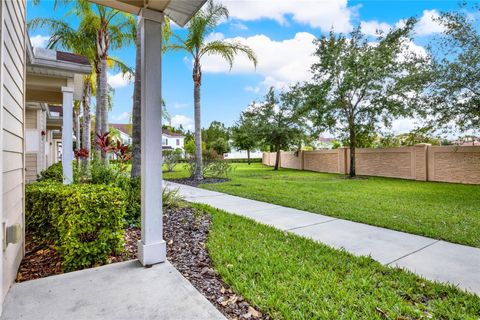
[[197, 77], [248, 156], [77, 133], [277, 160], [86, 123], [102, 104], [353, 145], [98, 114], [136, 111]]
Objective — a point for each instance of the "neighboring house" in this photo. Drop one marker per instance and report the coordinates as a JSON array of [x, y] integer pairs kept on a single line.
[[242, 154], [324, 143], [48, 71], [170, 140], [124, 132]]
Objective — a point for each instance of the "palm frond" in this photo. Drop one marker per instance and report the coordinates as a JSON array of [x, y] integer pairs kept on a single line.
[[228, 51], [117, 64]]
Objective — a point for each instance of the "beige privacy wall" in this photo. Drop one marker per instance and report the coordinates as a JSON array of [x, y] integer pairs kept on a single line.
[[421, 162]]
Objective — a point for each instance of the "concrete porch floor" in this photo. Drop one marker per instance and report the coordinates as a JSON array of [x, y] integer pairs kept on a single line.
[[118, 291]]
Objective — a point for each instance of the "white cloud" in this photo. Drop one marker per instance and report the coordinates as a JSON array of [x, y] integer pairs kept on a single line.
[[185, 121], [214, 36], [180, 105], [238, 26], [254, 89], [372, 27], [427, 25], [317, 14], [122, 117], [39, 41], [120, 80], [279, 62]]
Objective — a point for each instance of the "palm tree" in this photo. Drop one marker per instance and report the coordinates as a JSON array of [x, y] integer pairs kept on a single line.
[[83, 41], [202, 24], [113, 29]]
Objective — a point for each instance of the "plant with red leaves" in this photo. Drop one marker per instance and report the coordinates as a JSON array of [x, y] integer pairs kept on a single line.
[[104, 141], [81, 153]]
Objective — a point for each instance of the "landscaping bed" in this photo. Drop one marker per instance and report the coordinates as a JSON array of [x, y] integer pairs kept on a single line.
[[185, 231]]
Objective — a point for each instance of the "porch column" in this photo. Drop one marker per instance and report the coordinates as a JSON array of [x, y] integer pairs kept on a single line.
[[152, 247], [67, 140]]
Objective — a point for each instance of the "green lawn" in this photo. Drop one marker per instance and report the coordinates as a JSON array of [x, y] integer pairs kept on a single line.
[[290, 277], [438, 210]]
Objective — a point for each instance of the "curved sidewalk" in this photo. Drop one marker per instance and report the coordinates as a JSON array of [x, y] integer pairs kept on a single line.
[[433, 259]]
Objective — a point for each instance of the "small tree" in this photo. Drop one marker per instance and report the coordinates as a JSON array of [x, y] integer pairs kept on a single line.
[[279, 120], [244, 135], [171, 158], [358, 84], [220, 146]]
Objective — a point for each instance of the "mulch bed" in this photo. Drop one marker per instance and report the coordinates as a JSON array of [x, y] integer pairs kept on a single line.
[[195, 183], [185, 232]]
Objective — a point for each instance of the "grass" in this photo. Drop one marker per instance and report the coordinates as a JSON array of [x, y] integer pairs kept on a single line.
[[290, 277], [439, 210]]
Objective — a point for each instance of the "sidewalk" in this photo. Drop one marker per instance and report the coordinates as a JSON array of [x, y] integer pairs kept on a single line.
[[433, 259], [119, 291]]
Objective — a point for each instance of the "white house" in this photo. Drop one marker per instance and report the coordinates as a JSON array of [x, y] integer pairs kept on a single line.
[[170, 140]]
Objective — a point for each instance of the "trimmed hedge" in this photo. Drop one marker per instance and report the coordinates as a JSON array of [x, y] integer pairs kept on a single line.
[[84, 220], [55, 173], [252, 160]]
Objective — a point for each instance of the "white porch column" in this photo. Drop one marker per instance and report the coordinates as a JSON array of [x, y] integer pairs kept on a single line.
[[67, 140], [152, 247]]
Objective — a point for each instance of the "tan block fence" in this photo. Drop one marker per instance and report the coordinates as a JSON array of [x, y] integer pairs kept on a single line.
[[422, 162]]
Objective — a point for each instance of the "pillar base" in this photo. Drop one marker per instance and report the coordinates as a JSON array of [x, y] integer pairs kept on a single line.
[[154, 253]]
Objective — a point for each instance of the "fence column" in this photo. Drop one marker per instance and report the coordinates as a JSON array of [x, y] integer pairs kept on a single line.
[[421, 161], [342, 160]]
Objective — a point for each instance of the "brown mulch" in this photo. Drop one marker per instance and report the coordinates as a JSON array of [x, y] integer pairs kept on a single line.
[[185, 232], [195, 183]]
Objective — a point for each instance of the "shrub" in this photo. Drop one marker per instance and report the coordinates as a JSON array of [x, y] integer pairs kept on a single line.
[[241, 160], [84, 220], [55, 173], [213, 165], [171, 158]]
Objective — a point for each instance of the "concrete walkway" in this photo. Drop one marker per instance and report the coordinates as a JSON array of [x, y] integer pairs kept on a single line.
[[118, 291], [434, 259]]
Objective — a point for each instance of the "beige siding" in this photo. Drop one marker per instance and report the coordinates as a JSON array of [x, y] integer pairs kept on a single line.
[[30, 167], [31, 119], [12, 88]]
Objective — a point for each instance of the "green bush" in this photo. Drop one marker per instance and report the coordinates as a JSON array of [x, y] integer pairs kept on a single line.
[[55, 173], [84, 220]]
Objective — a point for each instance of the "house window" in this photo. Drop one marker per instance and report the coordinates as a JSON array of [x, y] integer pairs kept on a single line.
[[166, 142], [178, 142]]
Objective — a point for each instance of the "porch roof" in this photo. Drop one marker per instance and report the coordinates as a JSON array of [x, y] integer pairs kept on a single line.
[[180, 11]]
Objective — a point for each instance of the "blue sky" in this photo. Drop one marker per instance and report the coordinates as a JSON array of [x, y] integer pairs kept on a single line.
[[281, 33]]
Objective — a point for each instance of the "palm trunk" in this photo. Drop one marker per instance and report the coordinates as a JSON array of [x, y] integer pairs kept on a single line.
[[248, 156], [86, 123], [102, 104], [77, 134], [197, 76], [98, 113], [277, 160], [136, 111]]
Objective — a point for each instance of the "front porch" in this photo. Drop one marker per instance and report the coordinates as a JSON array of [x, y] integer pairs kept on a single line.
[[118, 291]]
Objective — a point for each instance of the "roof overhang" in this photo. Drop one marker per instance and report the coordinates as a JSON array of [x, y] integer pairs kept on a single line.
[[180, 11]]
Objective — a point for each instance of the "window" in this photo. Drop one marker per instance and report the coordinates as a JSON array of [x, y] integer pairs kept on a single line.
[[178, 142], [166, 142]]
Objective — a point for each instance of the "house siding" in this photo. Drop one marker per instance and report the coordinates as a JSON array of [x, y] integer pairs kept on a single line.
[[12, 101]]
